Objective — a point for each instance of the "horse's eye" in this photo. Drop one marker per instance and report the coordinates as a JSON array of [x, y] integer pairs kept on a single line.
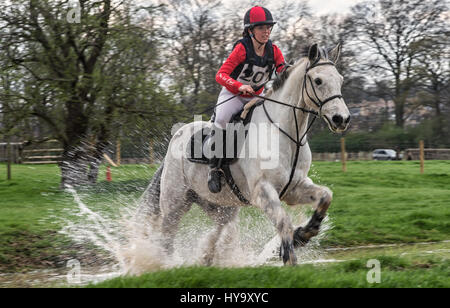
[[318, 81]]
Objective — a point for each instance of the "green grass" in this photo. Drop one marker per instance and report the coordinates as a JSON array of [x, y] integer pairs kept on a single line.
[[374, 202], [31, 205], [387, 202], [395, 272]]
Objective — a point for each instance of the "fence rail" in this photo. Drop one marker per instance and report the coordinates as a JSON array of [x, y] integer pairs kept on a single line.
[[430, 154], [20, 155], [16, 149], [53, 155]]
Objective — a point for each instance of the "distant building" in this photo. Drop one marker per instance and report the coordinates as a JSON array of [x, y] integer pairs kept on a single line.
[[370, 114]]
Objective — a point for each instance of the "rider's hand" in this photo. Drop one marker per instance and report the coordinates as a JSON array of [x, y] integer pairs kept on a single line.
[[246, 89]]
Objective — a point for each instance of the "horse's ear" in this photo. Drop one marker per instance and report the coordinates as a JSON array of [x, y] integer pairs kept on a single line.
[[313, 52], [334, 54]]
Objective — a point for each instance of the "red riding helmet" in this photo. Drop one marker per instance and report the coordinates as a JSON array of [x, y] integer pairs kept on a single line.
[[256, 16]]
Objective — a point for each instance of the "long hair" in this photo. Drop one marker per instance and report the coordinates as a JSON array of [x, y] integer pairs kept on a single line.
[[246, 33]]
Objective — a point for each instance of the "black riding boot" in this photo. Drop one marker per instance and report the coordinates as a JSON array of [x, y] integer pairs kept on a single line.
[[215, 172], [215, 175]]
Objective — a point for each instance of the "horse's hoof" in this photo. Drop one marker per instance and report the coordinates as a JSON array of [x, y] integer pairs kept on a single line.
[[287, 254], [300, 238]]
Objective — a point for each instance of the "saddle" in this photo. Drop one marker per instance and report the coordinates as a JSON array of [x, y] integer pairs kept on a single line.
[[241, 120]]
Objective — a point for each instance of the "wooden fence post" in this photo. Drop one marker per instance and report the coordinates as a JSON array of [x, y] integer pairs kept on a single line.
[[343, 156], [422, 156], [118, 156]]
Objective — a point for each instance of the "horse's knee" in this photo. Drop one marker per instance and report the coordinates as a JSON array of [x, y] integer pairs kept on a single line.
[[284, 225], [326, 197]]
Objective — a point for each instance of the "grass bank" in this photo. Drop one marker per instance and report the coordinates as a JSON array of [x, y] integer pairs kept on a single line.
[[395, 272]]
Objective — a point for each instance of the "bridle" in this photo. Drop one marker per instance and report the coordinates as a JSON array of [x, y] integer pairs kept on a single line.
[[317, 101]]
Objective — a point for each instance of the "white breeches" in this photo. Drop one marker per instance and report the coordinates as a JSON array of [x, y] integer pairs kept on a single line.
[[225, 111]]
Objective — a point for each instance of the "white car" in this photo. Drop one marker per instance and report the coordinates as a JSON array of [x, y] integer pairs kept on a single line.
[[384, 154]]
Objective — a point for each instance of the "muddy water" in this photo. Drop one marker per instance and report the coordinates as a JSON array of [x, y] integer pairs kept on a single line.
[[134, 247], [63, 278]]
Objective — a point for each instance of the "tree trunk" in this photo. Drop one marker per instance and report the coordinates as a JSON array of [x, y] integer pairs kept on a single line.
[[399, 102], [95, 161], [101, 145], [74, 166], [399, 112], [438, 129]]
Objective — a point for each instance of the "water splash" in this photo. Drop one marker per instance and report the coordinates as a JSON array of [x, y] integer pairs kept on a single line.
[[131, 245]]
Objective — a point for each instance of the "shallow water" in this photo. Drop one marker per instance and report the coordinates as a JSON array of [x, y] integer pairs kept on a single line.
[[62, 278], [106, 221], [108, 240], [130, 246]]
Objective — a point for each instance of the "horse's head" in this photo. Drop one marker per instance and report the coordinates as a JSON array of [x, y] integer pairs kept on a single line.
[[322, 88]]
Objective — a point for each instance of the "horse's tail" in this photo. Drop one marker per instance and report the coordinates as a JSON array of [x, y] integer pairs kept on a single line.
[[149, 206]]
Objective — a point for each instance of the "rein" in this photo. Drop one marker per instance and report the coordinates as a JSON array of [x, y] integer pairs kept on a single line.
[[319, 103]]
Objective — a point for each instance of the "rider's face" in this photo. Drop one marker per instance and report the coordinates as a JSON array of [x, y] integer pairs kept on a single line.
[[262, 33]]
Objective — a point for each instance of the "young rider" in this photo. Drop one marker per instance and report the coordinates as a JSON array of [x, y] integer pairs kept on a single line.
[[245, 71]]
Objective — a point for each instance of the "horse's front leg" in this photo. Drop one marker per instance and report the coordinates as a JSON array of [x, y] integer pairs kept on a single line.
[[306, 192], [266, 197]]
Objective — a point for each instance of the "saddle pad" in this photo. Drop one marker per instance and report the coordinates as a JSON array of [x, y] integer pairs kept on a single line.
[[195, 146]]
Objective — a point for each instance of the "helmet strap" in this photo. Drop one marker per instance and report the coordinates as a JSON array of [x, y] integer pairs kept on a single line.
[[253, 37]]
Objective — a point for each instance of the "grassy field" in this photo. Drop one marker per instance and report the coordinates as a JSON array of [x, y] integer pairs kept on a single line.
[[374, 203], [32, 207], [387, 202]]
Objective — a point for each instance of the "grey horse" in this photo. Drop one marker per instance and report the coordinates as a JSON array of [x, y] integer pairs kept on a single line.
[[312, 83]]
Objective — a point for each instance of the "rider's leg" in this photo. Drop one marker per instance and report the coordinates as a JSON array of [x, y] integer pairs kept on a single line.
[[215, 145], [224, 112]]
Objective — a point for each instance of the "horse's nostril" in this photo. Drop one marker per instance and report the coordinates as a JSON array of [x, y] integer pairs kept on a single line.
[[347, 120], [337, 119]]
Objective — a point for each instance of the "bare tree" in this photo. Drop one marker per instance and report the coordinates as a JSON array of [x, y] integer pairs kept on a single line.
[[81, 72], [198, 39], [387, 34], [433, 72]]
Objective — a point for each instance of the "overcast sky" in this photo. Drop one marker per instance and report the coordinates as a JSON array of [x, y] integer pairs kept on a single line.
[[332, 6], [319, 7]]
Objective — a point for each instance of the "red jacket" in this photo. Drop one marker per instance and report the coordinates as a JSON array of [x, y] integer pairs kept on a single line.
[[236, 58]]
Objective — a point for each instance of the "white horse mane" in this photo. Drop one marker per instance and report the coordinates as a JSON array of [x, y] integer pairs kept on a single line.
[[281, 79]]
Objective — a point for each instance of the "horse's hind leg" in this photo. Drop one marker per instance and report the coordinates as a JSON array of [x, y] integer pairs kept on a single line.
[[173, 208], [308, 192], [149, 210], [225, 218]]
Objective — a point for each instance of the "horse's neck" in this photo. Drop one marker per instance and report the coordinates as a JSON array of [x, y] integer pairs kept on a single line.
[[283, 116]]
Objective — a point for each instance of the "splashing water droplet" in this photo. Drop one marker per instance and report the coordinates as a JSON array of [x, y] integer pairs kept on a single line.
[[132, 245]]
